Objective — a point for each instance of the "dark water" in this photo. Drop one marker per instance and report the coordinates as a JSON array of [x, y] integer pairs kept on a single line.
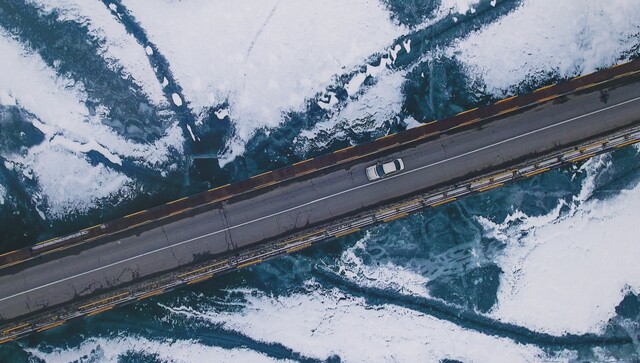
[[440, 266]]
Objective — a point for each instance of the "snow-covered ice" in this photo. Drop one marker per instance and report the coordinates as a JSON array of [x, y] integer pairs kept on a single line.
[[321, 323], [249, 56], [546, 36], [111, 350], [569, 271], [70, 131], [120, 49]]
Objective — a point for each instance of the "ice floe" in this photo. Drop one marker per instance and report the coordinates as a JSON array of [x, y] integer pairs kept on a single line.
[[120, 49], [379, 104], [565, 272], [114, 349], [251, 57], [322, 323], [67, 181], [543, 37]]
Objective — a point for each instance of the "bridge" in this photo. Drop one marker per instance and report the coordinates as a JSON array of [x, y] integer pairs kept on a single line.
[[282, 211]]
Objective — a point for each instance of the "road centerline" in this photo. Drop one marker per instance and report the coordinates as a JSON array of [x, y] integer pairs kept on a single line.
[[408, 172]]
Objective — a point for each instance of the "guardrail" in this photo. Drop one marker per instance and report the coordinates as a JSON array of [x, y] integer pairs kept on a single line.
[[208, 199], [295, 243]]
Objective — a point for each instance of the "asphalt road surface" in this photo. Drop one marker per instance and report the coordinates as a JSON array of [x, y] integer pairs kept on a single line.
[[290, 207]]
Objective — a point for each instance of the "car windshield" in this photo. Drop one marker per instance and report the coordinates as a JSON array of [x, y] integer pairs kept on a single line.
[[397, 164], [379, 170]]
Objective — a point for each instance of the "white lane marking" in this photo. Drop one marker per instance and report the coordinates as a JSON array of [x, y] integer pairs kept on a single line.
[[325, 198]]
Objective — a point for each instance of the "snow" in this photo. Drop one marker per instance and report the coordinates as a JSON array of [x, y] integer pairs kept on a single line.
[[559, 273], [91, 145], [111, 350], [566, 272], [70, 132], [458, 6], [6, 99], [321, 323], [383, 276], [406, 44], [148, 50], [193, 137], [568, 38], [3, 194], [72, 184], [119, 48], [380, 103], [250, 57], [222, 113]]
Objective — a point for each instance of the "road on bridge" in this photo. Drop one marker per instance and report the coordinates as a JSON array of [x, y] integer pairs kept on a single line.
[[292, 206]]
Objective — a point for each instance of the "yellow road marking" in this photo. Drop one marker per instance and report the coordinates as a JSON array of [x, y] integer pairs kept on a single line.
[[401, 215], [461, 113], [385, 148], [443, 202], [45, 241], [303, 161], [219, 199], [307, 172], [344, 149], [172, 214], [507, 110], [51, 326], [7, 253], [548, 98], [582, 76], [259, 175], [246, 264], [505, 100], [92, 227], [6, 340], [434, 121], [135, 214], [203, 269], [428, 135], [102, 310], [618, 65], [623, 75], [138, 225], [490, 187], [220, 187], [103, 300], [301, 238], [584, 87], [7, 331], [385, 136], [467, 123], [347, 232], [536, 172], [544, 88], [265, 185], [177, 200], [298, 248], [599, 143], [200, 279], [12, 263], [627, 143], [582, 157], [150, 294]]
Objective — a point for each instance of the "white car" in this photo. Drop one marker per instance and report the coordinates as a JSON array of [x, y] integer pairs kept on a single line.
[[375, 172]]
